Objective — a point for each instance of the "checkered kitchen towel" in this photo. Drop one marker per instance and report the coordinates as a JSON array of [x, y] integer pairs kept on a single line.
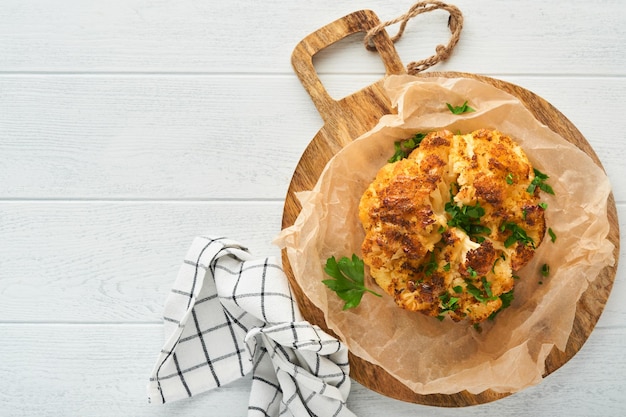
[[229, 314]]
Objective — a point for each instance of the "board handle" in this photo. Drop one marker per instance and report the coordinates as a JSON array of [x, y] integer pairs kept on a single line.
[[302, 56]]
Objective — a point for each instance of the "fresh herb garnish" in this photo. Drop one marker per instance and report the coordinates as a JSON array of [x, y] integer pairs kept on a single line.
[[487, 286], [552, 234], [467, 218], [501, 257], [448, 302], [348, 280], [478, 294], [472, 289], [431, 266], [509, 178], [472, 273], [517, 235], [545, 270], [543, 205], [404, 147], [539, 181], [507, 298], [464, 108]]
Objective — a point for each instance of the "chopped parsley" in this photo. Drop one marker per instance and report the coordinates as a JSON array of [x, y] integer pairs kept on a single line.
[[486, 286], [467, 218], [464, 108], [431, 266], [507, 298], [539, 182], [448, 302], [478, 294], [517, 235], [404, 147], [552, 235], [493, 267]]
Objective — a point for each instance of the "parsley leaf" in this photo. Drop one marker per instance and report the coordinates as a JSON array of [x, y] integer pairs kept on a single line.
[[404, 147], [487, 287], [552, 235], [348, 280], [464, 108], [448, 302], [472, 273], [431, 265], [517, 235], [507, 298], [539, 181], [477, 293], [467, 218]]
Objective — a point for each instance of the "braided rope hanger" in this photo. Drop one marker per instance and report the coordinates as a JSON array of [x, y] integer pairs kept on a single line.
[[455, 23]]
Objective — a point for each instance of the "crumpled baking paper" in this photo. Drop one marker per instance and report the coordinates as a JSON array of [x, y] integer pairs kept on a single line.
[[427, 355]]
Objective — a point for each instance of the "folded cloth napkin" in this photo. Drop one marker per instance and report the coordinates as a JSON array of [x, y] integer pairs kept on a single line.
[[229, 314]]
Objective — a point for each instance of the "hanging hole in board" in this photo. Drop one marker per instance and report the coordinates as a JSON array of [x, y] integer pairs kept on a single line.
[[346, 66]]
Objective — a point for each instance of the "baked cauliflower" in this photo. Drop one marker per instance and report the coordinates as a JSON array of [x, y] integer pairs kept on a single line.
[[447, 227]]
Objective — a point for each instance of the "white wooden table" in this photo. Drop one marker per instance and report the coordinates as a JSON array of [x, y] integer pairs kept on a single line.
[[127, 127]]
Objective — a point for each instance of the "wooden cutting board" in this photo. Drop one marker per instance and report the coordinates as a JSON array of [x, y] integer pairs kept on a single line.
[[347, 119]]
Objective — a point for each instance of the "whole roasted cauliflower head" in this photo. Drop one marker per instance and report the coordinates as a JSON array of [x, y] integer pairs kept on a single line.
[[447, 227]]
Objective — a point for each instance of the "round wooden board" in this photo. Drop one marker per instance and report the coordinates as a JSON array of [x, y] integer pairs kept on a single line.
[[354, 115]]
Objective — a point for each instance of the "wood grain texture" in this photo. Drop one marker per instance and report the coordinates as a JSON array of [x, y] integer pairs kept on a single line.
[[347, 119], [55, 369], [227, 37], [153, 137], [111, 262], [86, 370]]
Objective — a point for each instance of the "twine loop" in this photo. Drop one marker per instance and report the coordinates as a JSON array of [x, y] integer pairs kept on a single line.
[[455, 23]]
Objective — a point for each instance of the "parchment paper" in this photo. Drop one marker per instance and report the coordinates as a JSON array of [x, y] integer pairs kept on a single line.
[[427, 355]]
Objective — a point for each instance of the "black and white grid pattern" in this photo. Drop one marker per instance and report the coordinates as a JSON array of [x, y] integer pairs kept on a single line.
[[229, 314]]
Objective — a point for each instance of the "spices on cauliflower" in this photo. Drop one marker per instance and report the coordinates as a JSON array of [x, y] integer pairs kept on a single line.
[[448, 227]]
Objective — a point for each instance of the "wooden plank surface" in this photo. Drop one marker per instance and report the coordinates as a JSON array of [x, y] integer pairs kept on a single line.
[[109, 261], [252, 37], [119, 142], [98, 370]]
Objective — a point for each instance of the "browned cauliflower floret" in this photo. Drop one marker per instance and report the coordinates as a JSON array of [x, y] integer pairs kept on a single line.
[[447, 227]]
